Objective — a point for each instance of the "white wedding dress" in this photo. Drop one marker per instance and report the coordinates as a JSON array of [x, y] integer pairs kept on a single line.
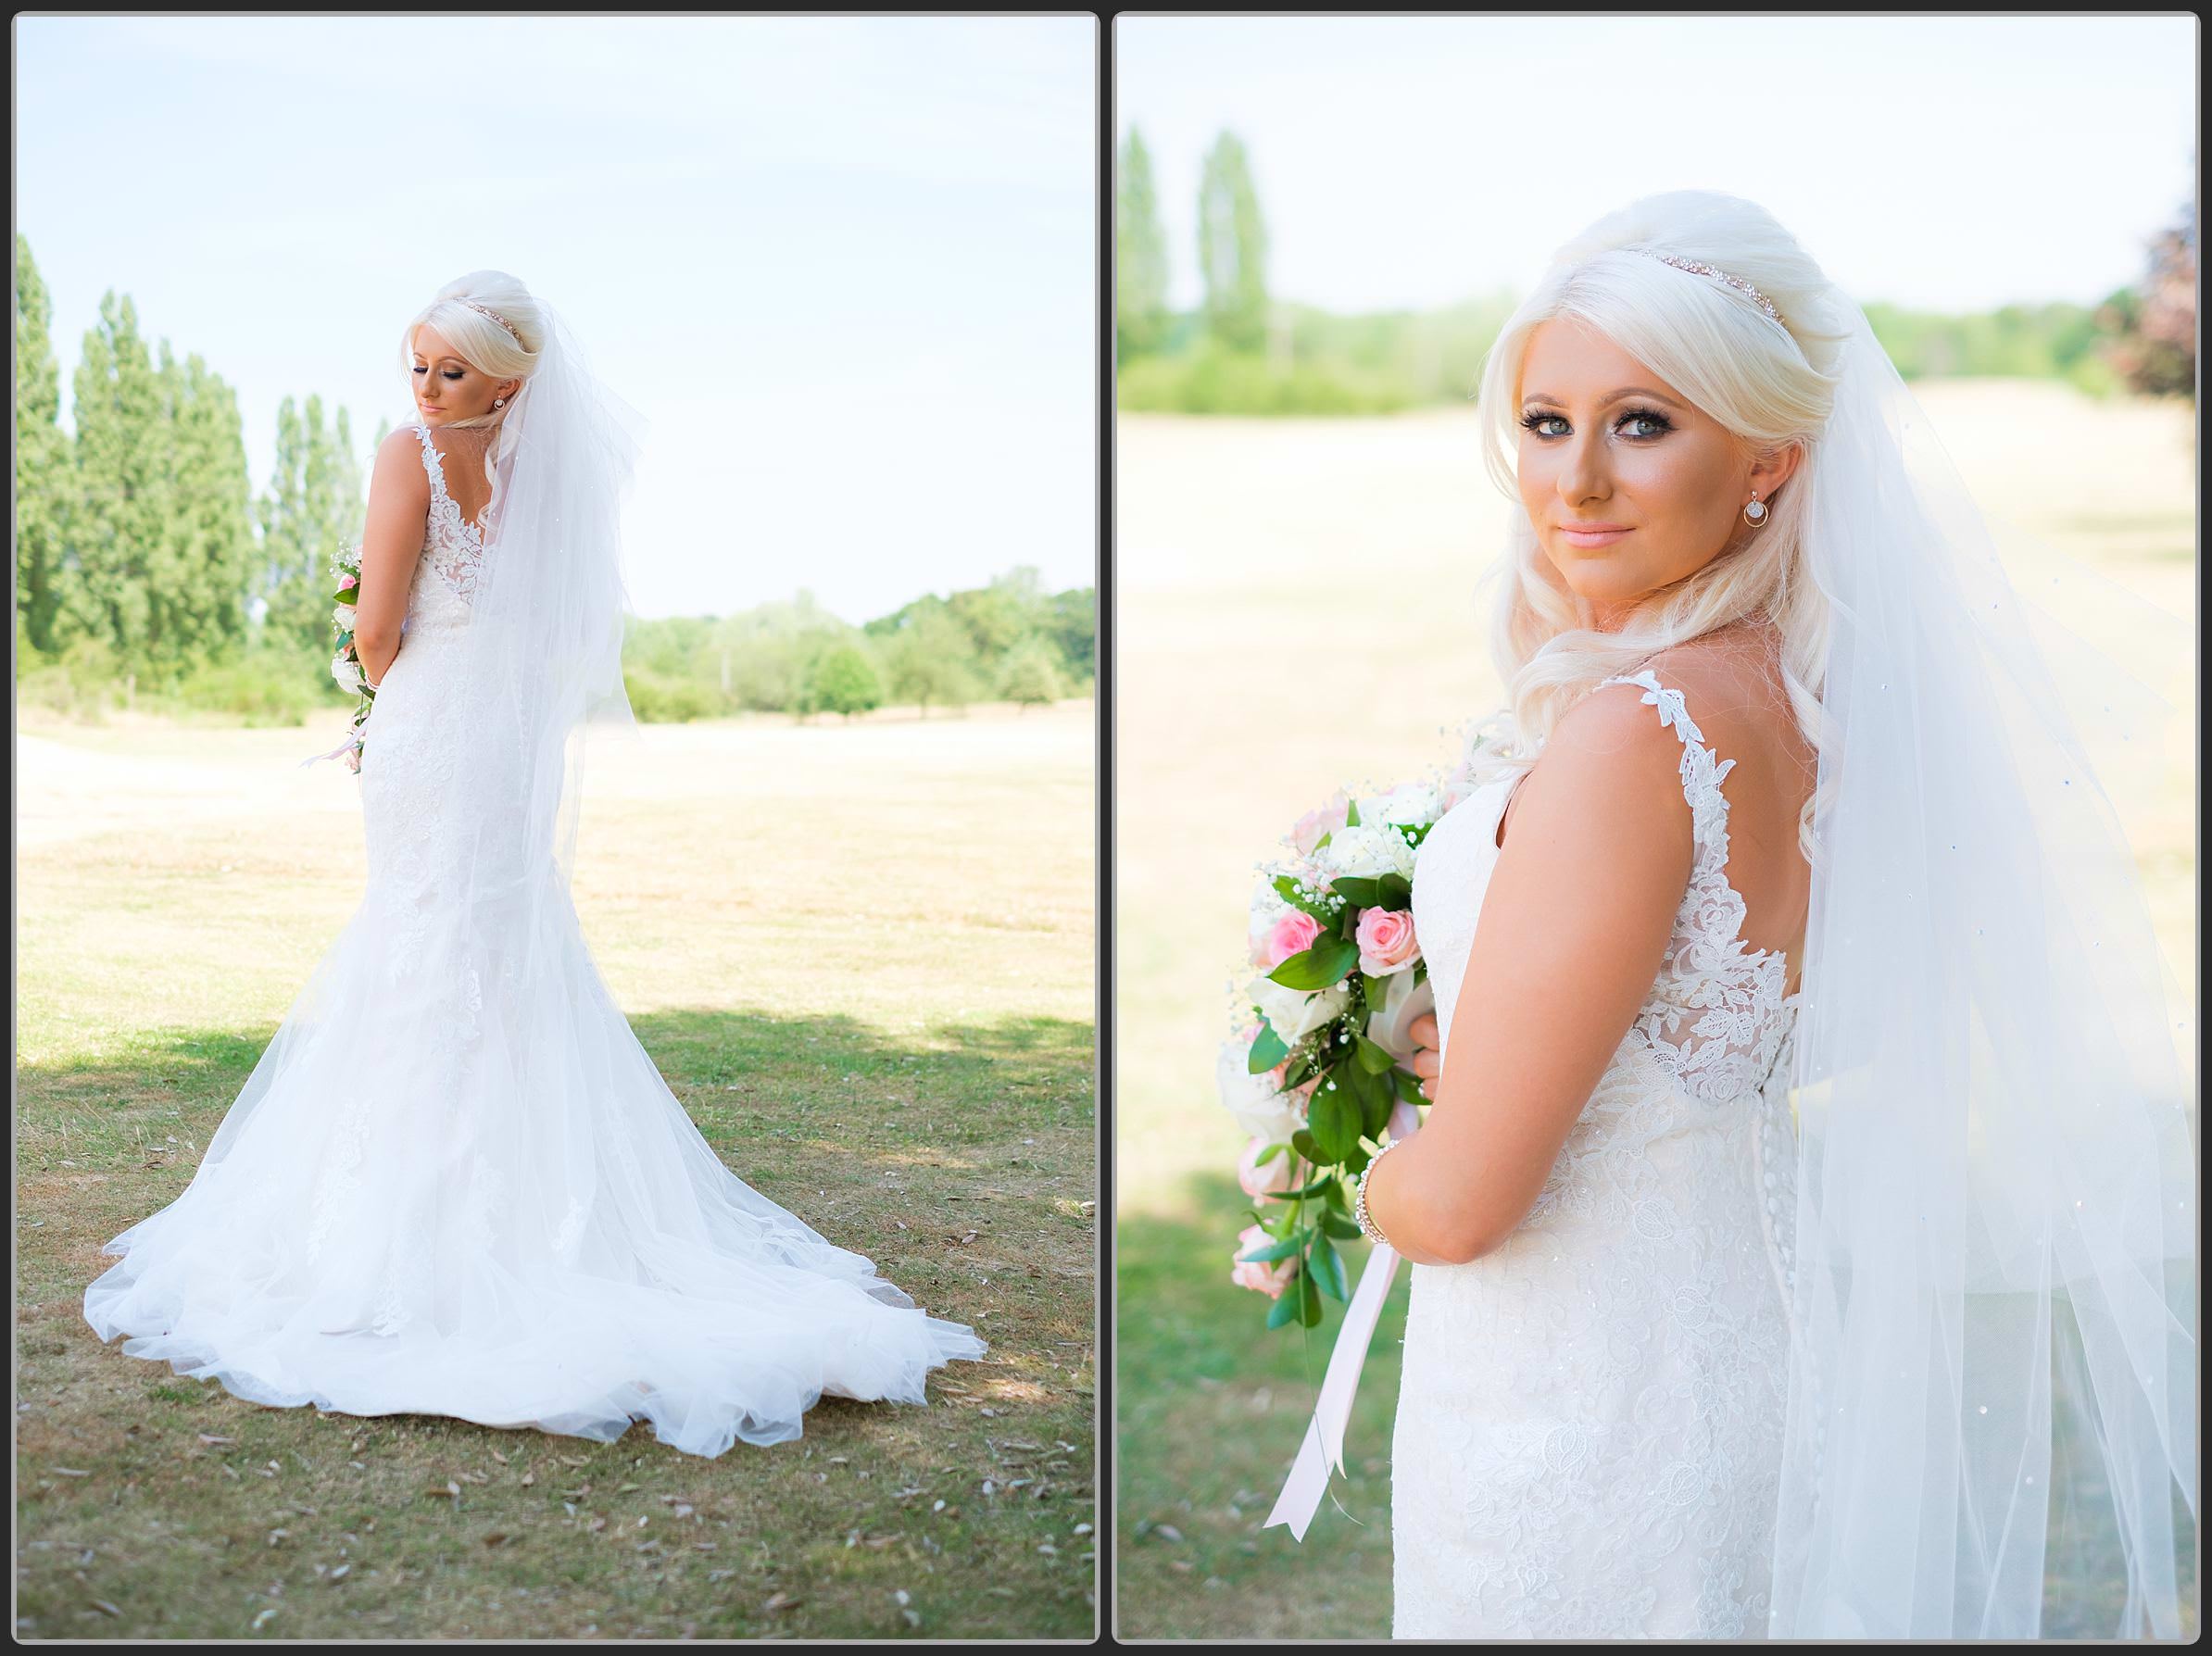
[[456, 1185], [1590, 1417]]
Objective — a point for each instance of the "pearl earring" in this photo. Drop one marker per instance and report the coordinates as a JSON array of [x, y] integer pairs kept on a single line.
[[499, 402], [1754, 514]]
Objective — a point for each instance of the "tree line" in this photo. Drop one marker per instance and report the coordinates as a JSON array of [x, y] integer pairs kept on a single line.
[[1008, 641], [150, 572], [1243, 351]]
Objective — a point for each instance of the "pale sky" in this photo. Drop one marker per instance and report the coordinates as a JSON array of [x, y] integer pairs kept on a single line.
[[845, 266], [1950, 163]]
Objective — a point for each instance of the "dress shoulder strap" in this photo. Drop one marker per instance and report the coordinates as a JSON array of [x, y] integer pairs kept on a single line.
[[434, 464], [1702, 771]]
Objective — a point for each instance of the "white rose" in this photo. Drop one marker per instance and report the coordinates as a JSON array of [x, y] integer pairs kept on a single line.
[[347, 674], [1295, 1013], [1253, 1099], [1410, 803], [1366, 852]]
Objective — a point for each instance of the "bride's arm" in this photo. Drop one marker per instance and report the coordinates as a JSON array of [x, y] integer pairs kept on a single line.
[[391, 542], [1574, 926]]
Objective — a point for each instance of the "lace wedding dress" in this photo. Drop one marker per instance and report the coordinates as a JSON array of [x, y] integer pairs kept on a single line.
[[1590, 1417], [456, 1185]]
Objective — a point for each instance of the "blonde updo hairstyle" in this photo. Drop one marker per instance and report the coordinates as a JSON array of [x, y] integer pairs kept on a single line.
[[1767, 384], [482, 343]]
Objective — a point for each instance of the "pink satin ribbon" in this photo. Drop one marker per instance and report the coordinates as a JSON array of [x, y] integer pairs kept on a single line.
[[1323, 1445]]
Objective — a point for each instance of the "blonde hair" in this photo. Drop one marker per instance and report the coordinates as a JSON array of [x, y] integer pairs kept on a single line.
[[482, 343], [1770, 383]]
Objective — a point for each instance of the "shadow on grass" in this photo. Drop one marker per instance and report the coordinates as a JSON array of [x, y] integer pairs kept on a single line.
[[960, 1158], [1212, 1407]]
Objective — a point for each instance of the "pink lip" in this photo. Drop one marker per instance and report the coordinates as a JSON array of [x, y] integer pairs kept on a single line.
[[1592, 535]]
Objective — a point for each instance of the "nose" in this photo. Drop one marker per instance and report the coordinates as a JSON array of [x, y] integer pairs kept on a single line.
[[1582, 474]]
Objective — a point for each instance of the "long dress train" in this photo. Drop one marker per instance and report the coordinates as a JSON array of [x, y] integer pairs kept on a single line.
[[456, 1185]]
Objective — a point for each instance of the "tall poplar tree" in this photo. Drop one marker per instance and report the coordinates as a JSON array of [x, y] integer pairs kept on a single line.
[[207, 545], [312, 507], [1233, 248], [1140, 313], [121, 497], [43, 471]]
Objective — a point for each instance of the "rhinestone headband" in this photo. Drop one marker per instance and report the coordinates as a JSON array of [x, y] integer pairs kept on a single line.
[[1741, 286], [496, 317]]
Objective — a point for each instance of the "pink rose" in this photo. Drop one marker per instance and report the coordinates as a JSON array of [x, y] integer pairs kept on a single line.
[[1292, 934], [1386, 942], [1328, 818], [348, 583], [1270, 1280], [1258, 1179]]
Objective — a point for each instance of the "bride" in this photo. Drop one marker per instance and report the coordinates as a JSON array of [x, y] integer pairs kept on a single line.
[[1787, 799], [455, 1184]]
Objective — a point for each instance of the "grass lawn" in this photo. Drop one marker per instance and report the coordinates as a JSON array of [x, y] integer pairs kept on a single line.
[[863, 956], [1298, 608]]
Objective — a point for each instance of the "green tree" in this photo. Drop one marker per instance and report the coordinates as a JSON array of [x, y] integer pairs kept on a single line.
[[930, 657], [205, 552], [312, 507], [43, 471], [843, 679], [1232, 248], [1140, 314], [1029, 675], [122, 493]]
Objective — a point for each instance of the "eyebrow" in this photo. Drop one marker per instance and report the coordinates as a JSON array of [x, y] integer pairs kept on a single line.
[[453, 359], [1545, 396]]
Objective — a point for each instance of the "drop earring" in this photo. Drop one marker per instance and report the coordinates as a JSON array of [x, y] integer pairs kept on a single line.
[[1754, 514]]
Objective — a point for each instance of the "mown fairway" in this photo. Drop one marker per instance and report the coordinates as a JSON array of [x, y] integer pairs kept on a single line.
[[1298, 608], [863, 956]]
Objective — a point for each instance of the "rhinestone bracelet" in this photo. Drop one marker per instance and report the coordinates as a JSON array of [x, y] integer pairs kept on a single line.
[[1359, 1204]]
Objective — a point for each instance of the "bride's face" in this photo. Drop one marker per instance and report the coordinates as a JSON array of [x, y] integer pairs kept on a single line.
[[1630, 488], [447, 386]]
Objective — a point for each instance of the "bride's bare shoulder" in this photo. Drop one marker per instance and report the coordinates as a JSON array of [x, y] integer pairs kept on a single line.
[[1733, 690]]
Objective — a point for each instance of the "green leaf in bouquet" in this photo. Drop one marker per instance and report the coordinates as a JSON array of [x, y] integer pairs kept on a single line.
[[1351, 814], [1359, 890], [1322, 1186], [1304, 1061], [1354, 1164], [1289, 1245], [1318, 967], [1374, 1059], [1286, 887], [1270, 1153], [1374, 1093], [1326, 1269], [1342, 1228], [1374, 988], [1408, 1086], [1309, 1300], [1302, 1142], [351, 595], [1269, 1050], [1393, 891], [1284, 1311], [1333, 1113]]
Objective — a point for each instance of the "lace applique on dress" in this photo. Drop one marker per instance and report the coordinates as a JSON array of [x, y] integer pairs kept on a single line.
[[456, 546], [1714, 1019]]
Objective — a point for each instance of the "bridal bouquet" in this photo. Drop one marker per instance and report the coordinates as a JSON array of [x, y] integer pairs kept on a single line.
[[1316, 1074], [346, 666]]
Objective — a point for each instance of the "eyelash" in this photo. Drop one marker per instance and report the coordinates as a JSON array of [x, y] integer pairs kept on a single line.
[[454, 374], [1534, 418]]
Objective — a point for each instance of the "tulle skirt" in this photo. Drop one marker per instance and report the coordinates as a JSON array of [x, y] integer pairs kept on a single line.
[[456, 1185]]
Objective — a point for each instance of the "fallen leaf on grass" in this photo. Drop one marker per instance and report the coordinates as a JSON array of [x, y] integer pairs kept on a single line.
[[106, 1608], [210, 1439], [779, 1602]]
